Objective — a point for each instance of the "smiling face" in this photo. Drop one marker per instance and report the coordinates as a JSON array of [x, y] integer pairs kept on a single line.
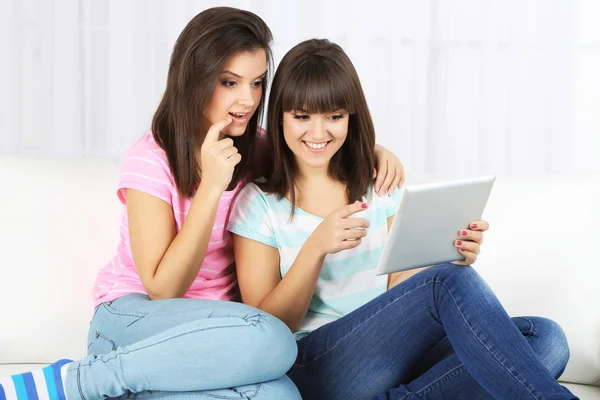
[[238, 92], [315, 138]]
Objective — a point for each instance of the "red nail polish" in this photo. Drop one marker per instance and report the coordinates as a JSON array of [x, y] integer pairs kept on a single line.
[[473, 226], [458, 243], [463, 233], [364, 205]]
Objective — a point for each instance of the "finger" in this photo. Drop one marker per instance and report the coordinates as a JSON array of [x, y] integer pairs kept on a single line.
[[222, 145], [381, 173], [468, 246], [352, 234], [349, 244], [399, 177], [475, 236], [212, 136], [387, 187], [480, 225], [402, 174], [350, 209], [228, 152], [235, 159], [352, 223], [470, 258]]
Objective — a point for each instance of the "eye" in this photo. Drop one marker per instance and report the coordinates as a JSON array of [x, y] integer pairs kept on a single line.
[[302, 117], [337, 117], [258, 84], [228, 83]]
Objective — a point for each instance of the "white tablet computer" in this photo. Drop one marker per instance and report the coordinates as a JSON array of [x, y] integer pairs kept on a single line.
[[428, 221]]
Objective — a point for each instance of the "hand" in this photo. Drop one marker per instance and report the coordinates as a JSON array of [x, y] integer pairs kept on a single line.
[[218, 158], [337, 232], [390, 171], [470, 242]]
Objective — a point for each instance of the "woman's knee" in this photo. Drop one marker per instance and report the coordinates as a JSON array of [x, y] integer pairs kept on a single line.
[[549, 343], [277, 345]]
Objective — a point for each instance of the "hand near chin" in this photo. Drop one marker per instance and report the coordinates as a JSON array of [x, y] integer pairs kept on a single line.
[[218, 158]]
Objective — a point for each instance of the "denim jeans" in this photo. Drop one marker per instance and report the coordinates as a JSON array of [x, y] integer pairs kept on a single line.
[[441, 334], [184, 349]]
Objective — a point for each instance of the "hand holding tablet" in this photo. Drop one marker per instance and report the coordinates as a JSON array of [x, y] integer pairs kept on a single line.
[[429, 220]]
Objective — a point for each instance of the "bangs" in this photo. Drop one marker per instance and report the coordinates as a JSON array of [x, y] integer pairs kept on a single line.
[[317, 86]]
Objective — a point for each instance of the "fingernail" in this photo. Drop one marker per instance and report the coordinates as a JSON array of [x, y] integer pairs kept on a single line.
[[473, 226], [461, 250], [364, 205], [458, 243], [463, 233]]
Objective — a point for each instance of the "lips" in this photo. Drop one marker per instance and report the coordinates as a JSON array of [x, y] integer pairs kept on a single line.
[[316, 147], [240, 118]]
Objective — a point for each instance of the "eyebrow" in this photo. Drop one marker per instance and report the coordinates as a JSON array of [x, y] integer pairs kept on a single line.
[[241, 77]]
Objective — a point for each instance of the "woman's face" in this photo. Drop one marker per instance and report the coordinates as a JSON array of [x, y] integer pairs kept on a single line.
[[315, 138], [238, 91]]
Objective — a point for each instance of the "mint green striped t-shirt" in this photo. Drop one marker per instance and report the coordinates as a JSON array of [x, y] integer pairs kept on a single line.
[[347, 279]]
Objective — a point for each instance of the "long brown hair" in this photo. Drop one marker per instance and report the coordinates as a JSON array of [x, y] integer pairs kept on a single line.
[[318, 77], [200, 53]]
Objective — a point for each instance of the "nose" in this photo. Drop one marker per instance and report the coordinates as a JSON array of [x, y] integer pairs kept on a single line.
[[318, 130], [247, 98]]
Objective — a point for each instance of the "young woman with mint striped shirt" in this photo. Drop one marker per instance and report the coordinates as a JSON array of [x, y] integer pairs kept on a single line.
[[307, 239]]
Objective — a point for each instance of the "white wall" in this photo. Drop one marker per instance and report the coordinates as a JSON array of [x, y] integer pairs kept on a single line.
[[456, 87]]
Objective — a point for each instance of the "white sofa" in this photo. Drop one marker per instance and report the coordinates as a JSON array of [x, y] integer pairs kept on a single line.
[[59, 221]]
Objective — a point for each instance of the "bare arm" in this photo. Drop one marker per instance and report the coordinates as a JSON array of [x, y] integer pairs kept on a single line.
[[168, 262], [261, 284], [288, 299]]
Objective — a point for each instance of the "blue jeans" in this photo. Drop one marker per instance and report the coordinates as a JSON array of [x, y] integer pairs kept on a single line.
[[184, 348], [442, 334]]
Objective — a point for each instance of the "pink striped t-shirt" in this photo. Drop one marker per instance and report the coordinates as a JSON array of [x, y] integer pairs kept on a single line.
[[145, 168]]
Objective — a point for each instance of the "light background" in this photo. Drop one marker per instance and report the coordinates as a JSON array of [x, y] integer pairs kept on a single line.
[[456, 87]]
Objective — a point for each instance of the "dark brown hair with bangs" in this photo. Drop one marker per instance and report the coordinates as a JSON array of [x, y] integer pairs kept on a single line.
[[318, 77], [201, 51]]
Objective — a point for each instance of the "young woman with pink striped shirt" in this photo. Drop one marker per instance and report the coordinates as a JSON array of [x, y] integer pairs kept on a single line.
[[166, 323]]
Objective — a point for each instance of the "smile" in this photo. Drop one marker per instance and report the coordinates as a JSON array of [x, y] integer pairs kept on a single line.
[[240, 117], [316, 147]]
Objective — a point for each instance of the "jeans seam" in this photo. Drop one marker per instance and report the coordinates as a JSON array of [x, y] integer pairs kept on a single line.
[[423, 389], [258, 386], [216, 396], [162, 341], [439, 344], [79, 383], [532, 331], [194, 394], [481, 341], [455, 369]]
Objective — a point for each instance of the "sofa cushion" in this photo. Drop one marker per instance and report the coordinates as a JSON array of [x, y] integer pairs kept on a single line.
[[59, 223], [540, 258]]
